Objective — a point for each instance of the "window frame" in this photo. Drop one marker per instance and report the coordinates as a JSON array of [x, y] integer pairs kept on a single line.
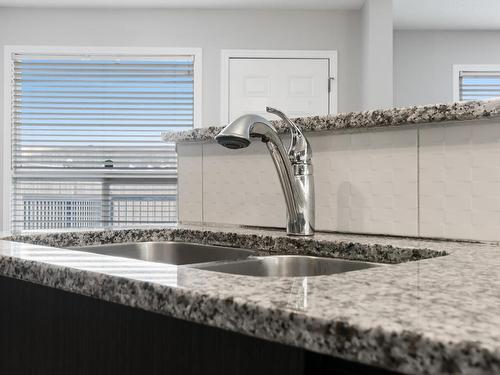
[[9, 50], [457, 68]]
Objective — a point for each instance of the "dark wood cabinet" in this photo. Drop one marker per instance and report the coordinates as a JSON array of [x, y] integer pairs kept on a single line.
[[49, 331]]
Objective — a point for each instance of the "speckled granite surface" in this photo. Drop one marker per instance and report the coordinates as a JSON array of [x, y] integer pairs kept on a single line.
[[267, 242], [429, 316], [460, 111]]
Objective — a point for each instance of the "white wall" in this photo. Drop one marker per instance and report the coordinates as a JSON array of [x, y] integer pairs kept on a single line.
[[211, 30], [376, 54], [423, 62]]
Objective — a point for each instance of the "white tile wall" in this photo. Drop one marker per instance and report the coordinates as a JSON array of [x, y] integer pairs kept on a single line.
[[435, 181], [241, 186], [366, 182], [460, 181], [190, 182]]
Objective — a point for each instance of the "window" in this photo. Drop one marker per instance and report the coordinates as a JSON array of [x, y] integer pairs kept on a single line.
[[85, 138], [476, 82]]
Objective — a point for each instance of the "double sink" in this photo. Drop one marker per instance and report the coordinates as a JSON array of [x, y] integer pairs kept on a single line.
[[227, 259]]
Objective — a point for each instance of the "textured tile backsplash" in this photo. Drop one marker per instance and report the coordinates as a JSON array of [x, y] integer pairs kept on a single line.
[[241, 186], [435, 181], [190, 182], [460, 181], [366, 182]]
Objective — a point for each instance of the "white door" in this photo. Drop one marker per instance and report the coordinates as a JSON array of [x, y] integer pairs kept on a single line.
[[297, 86]]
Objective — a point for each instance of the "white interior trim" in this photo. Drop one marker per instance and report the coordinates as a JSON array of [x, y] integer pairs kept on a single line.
[[6, 131], [8, 79], [456, 82], [227, 54], [457, 68]]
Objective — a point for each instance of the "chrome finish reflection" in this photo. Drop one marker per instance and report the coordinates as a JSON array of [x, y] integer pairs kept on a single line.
[[294, 166]]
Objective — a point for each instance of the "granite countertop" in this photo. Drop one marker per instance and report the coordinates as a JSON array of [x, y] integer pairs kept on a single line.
[[432, 307], [436, 113]]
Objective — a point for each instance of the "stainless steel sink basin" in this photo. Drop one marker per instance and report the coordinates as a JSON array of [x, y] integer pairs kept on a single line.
[[286, 266], [227, 259], [169, 252]]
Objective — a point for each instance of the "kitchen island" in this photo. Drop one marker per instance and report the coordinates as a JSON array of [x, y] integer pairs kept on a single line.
[[430, 307]]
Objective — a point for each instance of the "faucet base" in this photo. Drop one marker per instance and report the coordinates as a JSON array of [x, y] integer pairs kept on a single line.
[[305, 229], [299, 234]]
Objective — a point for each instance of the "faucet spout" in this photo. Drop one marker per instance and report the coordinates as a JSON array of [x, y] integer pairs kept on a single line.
[[294, 171]]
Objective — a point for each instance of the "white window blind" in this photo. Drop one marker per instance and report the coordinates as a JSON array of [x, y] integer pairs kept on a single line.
[[86, 147], [479, 84]]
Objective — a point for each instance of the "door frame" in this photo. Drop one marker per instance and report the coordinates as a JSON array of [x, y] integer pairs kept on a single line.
[[228, 54]]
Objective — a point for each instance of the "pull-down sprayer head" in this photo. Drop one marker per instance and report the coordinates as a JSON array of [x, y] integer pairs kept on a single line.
[[237, 134]]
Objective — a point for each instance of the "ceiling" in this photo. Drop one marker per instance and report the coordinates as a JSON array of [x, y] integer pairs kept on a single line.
[[408, 14]]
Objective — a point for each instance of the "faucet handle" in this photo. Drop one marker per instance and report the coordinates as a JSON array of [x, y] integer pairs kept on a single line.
[[294, 129], [299, 151]]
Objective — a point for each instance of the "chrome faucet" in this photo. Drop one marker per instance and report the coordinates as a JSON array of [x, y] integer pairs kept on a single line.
[[294, 166]]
